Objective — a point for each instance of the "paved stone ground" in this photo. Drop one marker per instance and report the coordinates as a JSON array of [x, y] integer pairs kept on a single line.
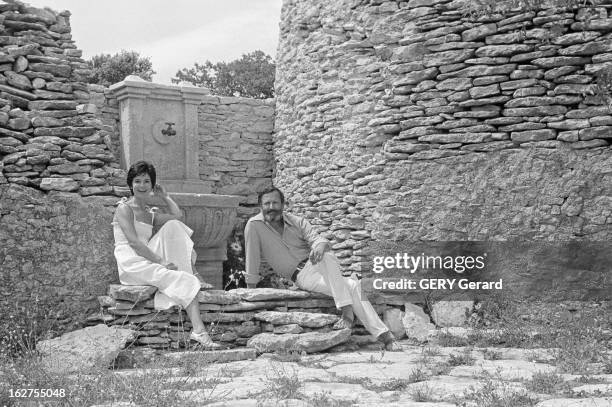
[[423, 376]]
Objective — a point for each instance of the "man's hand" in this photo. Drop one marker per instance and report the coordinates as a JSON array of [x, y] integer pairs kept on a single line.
[[316, 254], [171, 266]]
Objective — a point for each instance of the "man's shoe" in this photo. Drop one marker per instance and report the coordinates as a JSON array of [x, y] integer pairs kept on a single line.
[[389, 342], [204, 339]]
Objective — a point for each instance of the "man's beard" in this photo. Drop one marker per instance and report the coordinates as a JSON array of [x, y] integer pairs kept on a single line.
[[272, 214]]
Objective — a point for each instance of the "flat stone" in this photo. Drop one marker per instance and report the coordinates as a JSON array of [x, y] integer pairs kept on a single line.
[[267, 294], [305, 319], [484, 91], [479, 32], [456, 138], [220, 297], [551, 110], [220, 356], [589, 144], [451, 313], [288, 329], [590, 402], [95, 346], [502, 50], [132, 293], [601, 132], [215, 317], [309, 342], [59, 184], [447, 57], [576, 38], [52, 105], [505, 369], [570, 124], [533, 135], [588, 112], [554, 62]]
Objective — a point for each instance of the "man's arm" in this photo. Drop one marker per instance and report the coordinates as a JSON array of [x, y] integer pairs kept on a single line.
[[253, 255], [318, 244]]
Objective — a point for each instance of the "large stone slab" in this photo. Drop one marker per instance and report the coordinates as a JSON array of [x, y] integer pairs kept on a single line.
[[219, 297], [268, 294], [305, 319], [95, 346], [132, 293], [223, 356], [309, 342], [590, 402]]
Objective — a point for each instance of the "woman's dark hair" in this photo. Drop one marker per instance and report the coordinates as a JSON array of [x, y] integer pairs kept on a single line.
[[269, 190], [140, 168]]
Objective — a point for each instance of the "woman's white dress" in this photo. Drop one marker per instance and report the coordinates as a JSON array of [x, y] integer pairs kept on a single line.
[[173, 243]]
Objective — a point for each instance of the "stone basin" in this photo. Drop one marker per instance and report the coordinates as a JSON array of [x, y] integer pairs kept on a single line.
[[212, 218]]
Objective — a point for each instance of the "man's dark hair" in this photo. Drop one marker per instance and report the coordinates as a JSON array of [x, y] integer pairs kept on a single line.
[[140, 168], [269, 190]]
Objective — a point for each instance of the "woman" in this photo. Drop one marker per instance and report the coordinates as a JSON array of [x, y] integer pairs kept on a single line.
[[164, 260]]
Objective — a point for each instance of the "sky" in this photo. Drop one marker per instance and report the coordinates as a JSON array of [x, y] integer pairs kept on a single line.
[[173, 34]]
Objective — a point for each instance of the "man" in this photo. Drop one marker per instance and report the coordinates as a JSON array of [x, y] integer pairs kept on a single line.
[[294, 250]]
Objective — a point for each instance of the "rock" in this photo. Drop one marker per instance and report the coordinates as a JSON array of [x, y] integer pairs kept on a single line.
[[59, 184], [536, 111], [86, 108], [502, 50], [305, 319], [393, 319], [554, 62], [416, 323], [95, 346], [573, 402], [603, 132], [456, 138], [132, 293], [309, 342], [447, 57], [451, 313], [479, 32], [52, 105], [267, 294], [484, 91], [288, 329], [218, 297], [589, 48], [20, 64], [533, 135]]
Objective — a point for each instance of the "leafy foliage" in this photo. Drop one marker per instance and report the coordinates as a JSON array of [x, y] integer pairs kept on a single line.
[[250, 76], [108, 69]]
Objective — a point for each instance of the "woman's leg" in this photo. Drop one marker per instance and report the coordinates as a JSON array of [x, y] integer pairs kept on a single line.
[[193, 312]]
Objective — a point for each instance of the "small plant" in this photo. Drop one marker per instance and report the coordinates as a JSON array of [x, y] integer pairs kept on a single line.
[[431, 351], [547, 383], [490, 354], [281, 385], [422, 393], [465, 358], [496, 394], [324, 399], [417, 375]]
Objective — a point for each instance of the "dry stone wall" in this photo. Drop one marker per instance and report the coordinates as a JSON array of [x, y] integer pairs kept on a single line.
[[412, 120], [236, 148]]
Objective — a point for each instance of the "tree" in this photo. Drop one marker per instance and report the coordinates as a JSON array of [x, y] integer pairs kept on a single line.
[[108, 69], [250, 76]]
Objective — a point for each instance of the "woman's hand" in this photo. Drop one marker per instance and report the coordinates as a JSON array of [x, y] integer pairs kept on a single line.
[[160, 191]]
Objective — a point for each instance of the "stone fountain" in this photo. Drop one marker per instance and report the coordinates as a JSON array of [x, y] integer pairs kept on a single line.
[[159, 123]]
